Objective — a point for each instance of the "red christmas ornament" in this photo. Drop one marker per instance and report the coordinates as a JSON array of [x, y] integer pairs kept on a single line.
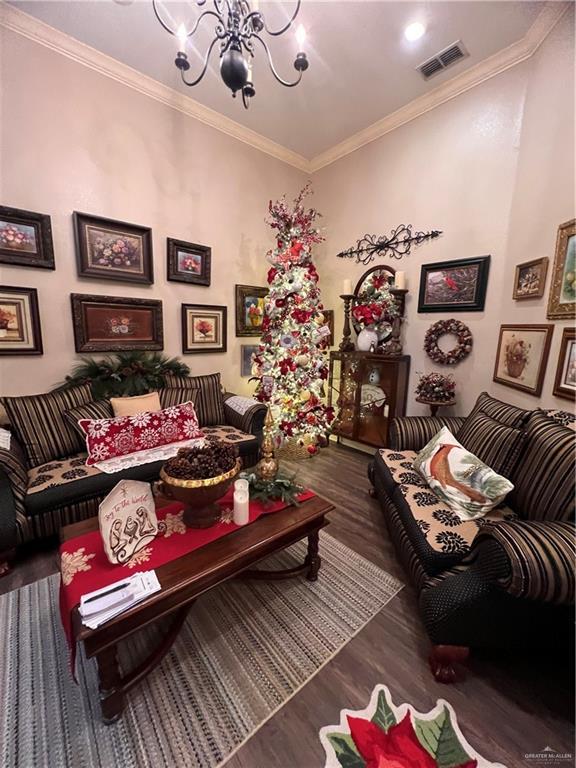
[[312, 449]]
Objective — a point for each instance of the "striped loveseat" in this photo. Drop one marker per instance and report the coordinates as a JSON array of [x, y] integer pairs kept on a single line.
[[44, 480], [506, 580]]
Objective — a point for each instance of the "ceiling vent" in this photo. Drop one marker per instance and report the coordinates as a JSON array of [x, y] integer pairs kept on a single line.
[[442, 60]]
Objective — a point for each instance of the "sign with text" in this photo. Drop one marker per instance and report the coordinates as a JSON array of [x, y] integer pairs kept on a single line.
[[127, 518]]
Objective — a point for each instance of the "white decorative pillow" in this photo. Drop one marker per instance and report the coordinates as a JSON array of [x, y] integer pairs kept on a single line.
[[459, 478]]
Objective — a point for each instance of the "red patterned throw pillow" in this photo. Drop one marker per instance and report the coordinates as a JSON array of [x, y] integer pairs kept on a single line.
[[110, 438]]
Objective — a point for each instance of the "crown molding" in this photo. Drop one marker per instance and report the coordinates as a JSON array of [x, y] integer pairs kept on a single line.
[[28, 26], [499, 62], [22, 23]]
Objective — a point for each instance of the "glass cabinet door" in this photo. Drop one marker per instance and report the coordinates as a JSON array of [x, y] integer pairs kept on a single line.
[[343, 394], [376, 389]]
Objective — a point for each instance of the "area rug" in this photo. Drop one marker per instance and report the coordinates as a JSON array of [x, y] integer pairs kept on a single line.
[[388, 736], [245, 649]]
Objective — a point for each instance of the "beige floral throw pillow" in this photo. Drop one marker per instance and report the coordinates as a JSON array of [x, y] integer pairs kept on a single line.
[[459, 478]]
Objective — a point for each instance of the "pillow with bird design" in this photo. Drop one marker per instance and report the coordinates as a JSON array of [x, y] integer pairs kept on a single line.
[[459, 478]]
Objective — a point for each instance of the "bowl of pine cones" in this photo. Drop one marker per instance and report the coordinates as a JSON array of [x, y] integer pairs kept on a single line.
[[197, 477]]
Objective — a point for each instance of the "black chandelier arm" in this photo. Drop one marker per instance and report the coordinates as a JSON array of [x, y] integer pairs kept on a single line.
[[196, 25], [287, 26], [204, 68], [271, 63], [396, 245]]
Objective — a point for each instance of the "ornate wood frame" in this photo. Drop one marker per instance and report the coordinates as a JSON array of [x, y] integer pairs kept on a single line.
[[242, 329], [186, 349], [172, 273], [43, 227], [556, 310], [537, 390], [568, 335], [35, 327], [477, 305], [542, 284], [82, 340]]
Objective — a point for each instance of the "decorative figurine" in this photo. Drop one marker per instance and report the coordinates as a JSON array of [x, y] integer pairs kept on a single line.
[[267, 467]]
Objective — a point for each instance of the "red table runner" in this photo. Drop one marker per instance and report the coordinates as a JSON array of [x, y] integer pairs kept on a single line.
[[84, 566]]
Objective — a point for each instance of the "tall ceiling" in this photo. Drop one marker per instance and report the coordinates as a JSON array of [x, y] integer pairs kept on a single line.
[[361, 66]]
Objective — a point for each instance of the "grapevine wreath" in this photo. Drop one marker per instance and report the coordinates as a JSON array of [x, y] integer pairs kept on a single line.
[[442, 328]]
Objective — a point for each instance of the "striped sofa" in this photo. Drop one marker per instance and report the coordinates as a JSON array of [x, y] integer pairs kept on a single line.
[[506, 580], [44, 481]]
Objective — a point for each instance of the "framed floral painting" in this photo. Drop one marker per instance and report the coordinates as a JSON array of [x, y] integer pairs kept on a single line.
[[25, 238], [204, 328], [246, 354], [562, 296], [522, 356], [454, 286], [565, 381], [250, 301], [530, 279], [114, 324], [113, 250], [20, 332], [188, 262]]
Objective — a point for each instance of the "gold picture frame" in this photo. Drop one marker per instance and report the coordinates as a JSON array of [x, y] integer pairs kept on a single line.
[[565, 379], [562, 296]]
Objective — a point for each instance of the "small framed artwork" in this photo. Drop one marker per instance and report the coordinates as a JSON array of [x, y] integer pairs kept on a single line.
[[329, 315], [530, 279], [565, 381], [522, 356], [20, 332], [204, 328], [25, 238], [454, 286], [246, 353], [250, 301], [114, 324], [113, 250], [188, 262], [562, 296]]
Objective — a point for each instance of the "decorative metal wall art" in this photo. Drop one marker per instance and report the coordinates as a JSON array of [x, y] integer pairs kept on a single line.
[[396, 245]]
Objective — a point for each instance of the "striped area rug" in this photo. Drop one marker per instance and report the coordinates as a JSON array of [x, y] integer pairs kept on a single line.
[[245, 649]]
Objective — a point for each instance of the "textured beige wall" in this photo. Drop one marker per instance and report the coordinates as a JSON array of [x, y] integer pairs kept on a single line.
[[75, 140], [493, 169]]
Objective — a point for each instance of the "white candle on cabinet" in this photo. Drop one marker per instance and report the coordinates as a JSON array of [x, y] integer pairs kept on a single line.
[[241, 507], [347, 287], [400, 280]]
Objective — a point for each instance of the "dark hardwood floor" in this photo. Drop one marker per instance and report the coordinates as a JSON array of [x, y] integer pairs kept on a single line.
[[507, 707]]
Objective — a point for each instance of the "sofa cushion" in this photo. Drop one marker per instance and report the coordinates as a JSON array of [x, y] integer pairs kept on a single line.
[[95, 409], [208, 401], [497, 445], [128, 406], [170, 396], [544, 478], [245, 441], [562, 417], [59, 483], [40, 426], [502, 412], [436, 533]]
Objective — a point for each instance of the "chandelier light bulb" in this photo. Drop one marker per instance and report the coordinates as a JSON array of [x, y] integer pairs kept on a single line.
[[414, 31], [182, 36], [301, 36]]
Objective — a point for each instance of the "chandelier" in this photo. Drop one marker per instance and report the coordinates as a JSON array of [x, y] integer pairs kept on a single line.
[[236, 28]]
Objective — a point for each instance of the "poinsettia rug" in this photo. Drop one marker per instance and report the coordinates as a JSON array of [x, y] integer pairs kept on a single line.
[[244, 650], [388, 736]]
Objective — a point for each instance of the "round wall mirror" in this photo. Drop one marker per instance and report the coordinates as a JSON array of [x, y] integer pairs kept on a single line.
[[368, 290]]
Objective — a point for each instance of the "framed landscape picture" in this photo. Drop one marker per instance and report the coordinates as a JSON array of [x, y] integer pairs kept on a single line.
[[113, 250], [204, 328], [522, 356], [25, 238], [562, 297], [565, 381], [20, 332], [530, 279], [246, 352], [454, 286], [114, 324], [250, 300], [188, 262]]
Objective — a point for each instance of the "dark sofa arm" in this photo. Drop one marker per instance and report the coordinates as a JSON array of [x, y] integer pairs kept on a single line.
[[539, 557], [244, 413], [13, 487], [411, 433]]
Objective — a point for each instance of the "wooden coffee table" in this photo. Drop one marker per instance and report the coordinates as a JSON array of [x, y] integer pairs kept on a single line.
[[185, 579]]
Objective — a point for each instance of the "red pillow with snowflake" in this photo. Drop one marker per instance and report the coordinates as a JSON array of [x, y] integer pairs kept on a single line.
[[110, 438]]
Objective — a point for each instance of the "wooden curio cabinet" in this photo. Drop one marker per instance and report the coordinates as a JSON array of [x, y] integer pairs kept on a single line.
[[367, 390]]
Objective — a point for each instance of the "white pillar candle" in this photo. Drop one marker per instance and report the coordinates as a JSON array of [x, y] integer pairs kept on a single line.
[[241, 485], [241, 508], [400, 280], [347, 287]]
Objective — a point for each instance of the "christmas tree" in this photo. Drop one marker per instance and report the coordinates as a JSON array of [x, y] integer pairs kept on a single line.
[[290, 363]]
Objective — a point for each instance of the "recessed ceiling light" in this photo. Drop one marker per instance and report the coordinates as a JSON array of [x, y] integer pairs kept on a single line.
[[414, 31]]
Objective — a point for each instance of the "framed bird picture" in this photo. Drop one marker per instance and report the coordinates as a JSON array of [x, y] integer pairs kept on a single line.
[[454, 286]]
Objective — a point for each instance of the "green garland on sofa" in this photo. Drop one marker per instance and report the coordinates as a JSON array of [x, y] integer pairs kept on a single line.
[[125, 373]]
